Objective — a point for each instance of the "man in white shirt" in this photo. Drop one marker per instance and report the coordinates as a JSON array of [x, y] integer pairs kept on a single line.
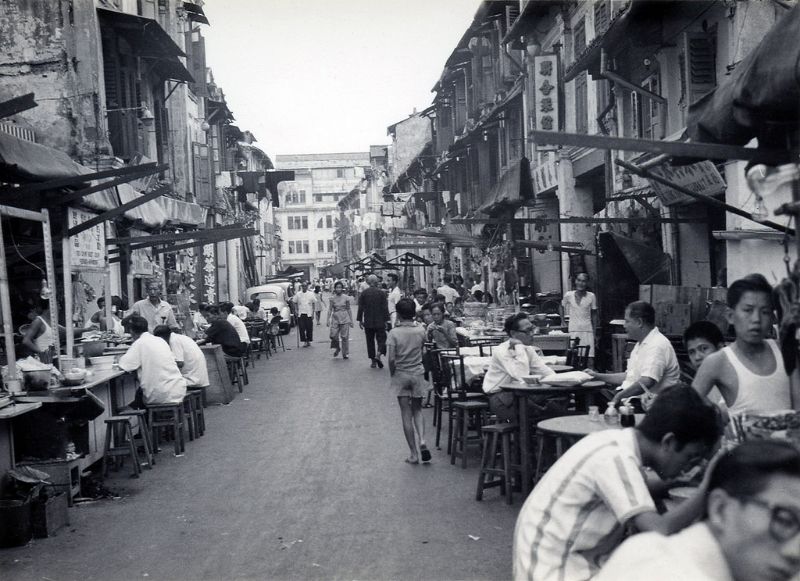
[[511, 361], [447, 291], [578, 512], [227, 310], [154, 310], [478, 286], [160, 379], [188, 356], [305, 300], [420, 298], [751, 531], [394, 296], [241, 311], [653, 364]]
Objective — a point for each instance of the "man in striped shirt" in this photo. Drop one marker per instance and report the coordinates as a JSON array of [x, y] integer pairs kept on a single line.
[[578, 512]]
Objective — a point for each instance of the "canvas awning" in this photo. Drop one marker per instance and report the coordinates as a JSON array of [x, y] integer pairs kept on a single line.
[[760, 98], [648, 264], [514, 187], [150, 214], [27, 161], [183, 213]]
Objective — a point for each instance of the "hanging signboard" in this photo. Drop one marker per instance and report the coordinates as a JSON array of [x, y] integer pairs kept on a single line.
[[88, 247], [545, 177], [545, 83], [141, 263], [701, 177]]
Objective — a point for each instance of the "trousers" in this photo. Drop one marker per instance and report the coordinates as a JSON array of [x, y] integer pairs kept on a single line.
[[305, 326], [375, 336], [340, 337]]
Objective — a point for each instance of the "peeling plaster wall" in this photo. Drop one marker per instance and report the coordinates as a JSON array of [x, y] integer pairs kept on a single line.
[[52, 48]]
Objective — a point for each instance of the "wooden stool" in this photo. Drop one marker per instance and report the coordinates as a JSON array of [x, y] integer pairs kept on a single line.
[[199, 393], [203, 398], [121, 448], [277, 340], [192, 408], [497, 435], [167, 415], [235, 370], [144, 433], [464, 412]]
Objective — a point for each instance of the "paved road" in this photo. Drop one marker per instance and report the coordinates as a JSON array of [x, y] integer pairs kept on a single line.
[[301, 477]]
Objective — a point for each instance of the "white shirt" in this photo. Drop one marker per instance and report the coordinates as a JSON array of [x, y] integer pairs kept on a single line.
[[159, 376], [478, 286], [394, 296], [241, 311], [449, 293], [160, 314], [241, 330], [575, 516], [655, 358], [511, 365], [305, 303], [194, 362], [693, 554]]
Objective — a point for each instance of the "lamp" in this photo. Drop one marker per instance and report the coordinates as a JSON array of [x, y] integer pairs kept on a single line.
[[205, 126], [145, 114]]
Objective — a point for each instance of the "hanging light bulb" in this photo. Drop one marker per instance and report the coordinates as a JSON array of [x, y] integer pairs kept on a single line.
[[46, 293], [756, 181]]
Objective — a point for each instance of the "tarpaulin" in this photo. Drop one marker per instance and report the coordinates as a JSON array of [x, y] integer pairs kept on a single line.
[[26, 161], [151, 213], [180, 212], [514, 187]]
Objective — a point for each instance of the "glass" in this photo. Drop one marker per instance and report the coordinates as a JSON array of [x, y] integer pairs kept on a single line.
[[594, 413], [784, 522]]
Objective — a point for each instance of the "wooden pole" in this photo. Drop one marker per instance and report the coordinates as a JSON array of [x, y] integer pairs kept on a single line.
[[66, 251], [50, 269], [12, 383]]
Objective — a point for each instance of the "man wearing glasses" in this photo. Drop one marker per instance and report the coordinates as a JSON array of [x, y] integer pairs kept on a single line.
[[751, 531]]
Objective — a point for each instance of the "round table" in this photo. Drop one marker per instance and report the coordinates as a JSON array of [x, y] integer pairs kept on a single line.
[[576, 426], [558, 368]]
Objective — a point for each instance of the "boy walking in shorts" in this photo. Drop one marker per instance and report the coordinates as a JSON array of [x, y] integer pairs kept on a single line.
[[404, 354]]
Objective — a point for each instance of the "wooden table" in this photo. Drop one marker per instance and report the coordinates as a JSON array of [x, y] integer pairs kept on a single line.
[[557, 368], [584, 397], [7, 458]]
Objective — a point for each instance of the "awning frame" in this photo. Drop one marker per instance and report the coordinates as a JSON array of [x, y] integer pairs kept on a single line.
[[158, 192]]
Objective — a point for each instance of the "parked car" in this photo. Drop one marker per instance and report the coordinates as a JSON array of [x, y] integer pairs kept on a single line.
[[273, 295]]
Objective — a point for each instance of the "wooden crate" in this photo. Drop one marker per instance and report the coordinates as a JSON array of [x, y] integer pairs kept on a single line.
[[696, 297], [47, 517]]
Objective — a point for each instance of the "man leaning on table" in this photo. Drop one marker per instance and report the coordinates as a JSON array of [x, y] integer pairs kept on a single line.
[[580, 509], [653, 364], [154, 310], [511, 361], [751, 531]]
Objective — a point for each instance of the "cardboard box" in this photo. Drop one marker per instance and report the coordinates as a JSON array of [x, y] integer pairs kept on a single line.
[[47, 517]]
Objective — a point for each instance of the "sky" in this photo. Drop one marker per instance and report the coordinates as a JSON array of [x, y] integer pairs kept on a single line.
[[324, 76]]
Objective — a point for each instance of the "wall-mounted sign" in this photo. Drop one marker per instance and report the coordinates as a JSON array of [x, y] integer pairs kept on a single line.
[[545, 177], [701, 177], [141, 263], [89, 246], [545, 92]]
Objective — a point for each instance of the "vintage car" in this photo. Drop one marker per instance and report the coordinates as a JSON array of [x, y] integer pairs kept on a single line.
[[273, 295]]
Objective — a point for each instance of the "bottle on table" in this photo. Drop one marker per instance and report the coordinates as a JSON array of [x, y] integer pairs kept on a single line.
[[611, 416], [627, 419]]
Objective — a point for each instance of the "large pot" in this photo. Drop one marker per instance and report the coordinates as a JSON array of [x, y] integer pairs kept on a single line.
[[93, 348]]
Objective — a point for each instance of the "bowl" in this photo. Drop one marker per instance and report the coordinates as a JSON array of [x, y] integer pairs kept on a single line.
[[104, 363], [93, 348], [72, 382], [74, 374]]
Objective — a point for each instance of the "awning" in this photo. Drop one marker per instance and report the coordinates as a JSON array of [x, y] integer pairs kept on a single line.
[[31, 162], [150, 214], [172, 69], [410, 259], [514, 187], [335, 270], [195, 13], [760, 99], [647, 264], [183, 213]]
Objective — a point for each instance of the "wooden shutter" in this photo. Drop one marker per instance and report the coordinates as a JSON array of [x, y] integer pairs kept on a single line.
[[601, 17], [198, 67], [701, 63], [202, 175], [581, 103]]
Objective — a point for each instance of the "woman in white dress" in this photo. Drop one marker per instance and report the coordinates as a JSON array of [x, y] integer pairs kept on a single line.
[[581, 307]]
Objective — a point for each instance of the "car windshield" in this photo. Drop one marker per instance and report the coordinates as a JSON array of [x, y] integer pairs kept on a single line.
[[266, 296]]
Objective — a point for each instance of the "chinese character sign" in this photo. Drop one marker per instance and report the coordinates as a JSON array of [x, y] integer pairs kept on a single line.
[[88, 247], [545, 83]]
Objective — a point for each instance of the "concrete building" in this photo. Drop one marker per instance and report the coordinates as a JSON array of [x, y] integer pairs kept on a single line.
[[308, 215]]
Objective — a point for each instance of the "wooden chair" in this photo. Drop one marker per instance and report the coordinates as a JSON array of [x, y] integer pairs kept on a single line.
[[578, 357], [457, 390]]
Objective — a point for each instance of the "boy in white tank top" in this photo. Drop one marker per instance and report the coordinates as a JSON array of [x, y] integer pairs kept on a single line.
[[750, 373]]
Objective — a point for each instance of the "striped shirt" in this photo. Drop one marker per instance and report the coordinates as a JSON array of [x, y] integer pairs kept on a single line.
[[576, 515]]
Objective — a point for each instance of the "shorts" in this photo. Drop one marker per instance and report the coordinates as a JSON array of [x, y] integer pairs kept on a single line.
[[409, 384]]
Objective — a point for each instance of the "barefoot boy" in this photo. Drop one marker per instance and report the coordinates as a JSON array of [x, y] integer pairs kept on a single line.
[[404, 354]]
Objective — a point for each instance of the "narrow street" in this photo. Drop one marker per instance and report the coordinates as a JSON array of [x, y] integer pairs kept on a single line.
[[300, 477]]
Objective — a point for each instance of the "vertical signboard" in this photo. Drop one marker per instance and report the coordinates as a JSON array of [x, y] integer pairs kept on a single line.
[[545, 82], [88, 248]]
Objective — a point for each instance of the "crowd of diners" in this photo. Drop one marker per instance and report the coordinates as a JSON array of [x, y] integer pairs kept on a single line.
[[743, 520]]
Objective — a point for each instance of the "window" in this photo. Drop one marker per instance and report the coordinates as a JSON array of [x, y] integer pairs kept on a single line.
[[579, 38], [320, 246], [340, 172], [317, 197], [646, 112], [305, 246], [329, 221], [330, 245], [297, 222], [581, 104], [700, 65], [301, 197], [290, 247], [601, 17], [319, 223]]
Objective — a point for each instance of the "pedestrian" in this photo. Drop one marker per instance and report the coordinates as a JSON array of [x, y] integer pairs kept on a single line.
[[447, 290], [319, 304], [394, 295], [373, 314], [404, 355], [581, 307], [340, 320], [305, 301]]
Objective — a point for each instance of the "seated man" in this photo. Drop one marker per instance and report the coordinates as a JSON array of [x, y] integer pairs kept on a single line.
[[511, 361], [701, 339], [578, 512], [188, 356], [226, 309], [653, 364], [222, 333], [751, 531], [160, 380], [750, 374]]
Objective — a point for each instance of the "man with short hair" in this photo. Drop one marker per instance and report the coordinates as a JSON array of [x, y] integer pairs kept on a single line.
[[420, 298], [305, 300], [701, 339], [154, 310], [160, 380], [226, 309], [750, 373], [477, 287], [394, 296], [188, 356], [222, 333], [372, 316], [652, 366], [751, 531], [579, 510], [447, 291]]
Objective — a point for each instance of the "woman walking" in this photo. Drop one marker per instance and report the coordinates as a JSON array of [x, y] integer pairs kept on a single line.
[[319, 304], [340, 320], [581, 306]]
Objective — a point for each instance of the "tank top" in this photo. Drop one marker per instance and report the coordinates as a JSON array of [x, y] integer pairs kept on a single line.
[[45, 340], [760, 393]]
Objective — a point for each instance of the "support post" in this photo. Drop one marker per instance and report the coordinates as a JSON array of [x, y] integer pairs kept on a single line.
[[12, 383], [50, 270], [66, 251]]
